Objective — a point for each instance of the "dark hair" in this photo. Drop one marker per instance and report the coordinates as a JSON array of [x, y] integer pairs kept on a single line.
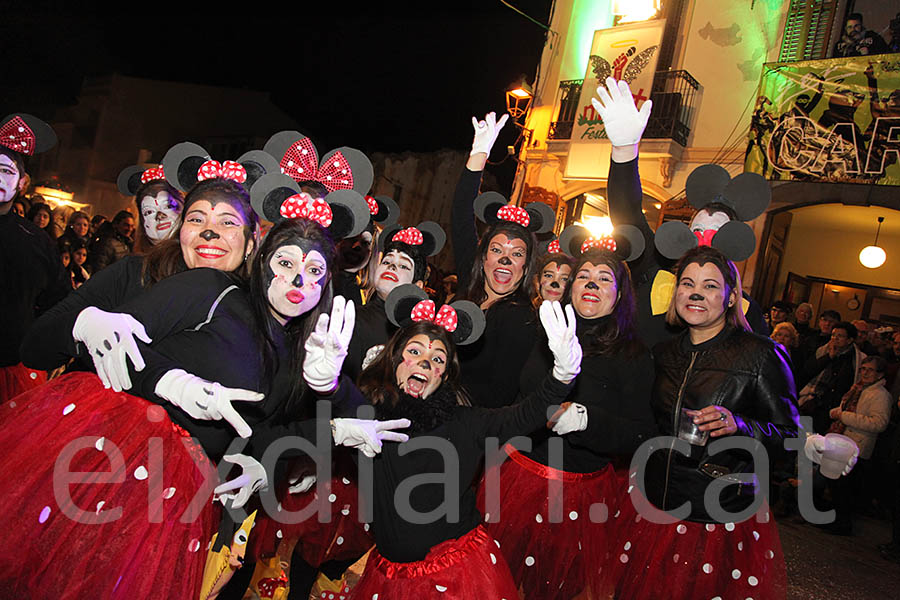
[[121, 216], [540, 264], [855, 17], [616, 334], [830, 314], [849, 327], [420, 264], [166, 258], [97, 219], [378, 381], [35, 209], [880, 363], [522, 294], [142, 243], [714, 207], [298, 329], [734, 314]]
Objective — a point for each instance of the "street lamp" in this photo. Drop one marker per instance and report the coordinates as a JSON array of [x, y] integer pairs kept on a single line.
[[518, 98]]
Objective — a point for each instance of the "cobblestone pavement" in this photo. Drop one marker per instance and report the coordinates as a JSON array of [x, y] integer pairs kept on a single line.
[[821, 566]]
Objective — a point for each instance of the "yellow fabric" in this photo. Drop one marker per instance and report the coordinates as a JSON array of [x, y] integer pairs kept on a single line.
[[221, 565], [661, 292]]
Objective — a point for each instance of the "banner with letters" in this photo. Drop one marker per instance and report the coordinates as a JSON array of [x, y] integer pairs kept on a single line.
[[833, 120]]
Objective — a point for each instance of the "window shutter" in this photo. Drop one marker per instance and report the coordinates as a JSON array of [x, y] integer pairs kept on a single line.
[[807, 30]]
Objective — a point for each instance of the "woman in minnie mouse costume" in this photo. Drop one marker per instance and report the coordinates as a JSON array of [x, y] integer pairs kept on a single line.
[[33, 276], [159, 204], [221, 361], [402, 260], [723, 204], [557, 557], [495, 273]]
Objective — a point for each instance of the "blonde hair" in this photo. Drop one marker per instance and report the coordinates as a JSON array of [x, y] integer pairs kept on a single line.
[[734, 313], [795, 337]]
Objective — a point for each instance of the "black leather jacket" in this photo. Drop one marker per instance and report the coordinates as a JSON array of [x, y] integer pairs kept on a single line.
[[747, 374]]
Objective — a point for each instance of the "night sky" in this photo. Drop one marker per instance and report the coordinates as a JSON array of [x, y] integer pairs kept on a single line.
[[406, 76]]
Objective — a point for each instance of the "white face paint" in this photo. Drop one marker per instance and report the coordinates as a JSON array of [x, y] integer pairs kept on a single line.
[[9, 182], [160, 215], [704, 221], [395, 268], [296, 284]]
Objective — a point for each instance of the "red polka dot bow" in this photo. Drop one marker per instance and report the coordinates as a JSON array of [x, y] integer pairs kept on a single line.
[[516, 214], [704, 238], [445, 317], [554, 246], [604, 243], [152, 173], [303, 206], [301, 163], [410, 235], [373, 205], [227, 170], [17, 135]]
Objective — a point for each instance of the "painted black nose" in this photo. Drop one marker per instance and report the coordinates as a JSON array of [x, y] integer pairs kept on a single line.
[[504, 260], [592, 286], [696, 297], [298, 281], [209, 234], [554, 284], [425, 364]]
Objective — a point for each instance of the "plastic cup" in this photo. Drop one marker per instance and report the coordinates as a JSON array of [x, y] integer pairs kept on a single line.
[[690, 431], [838, 450]]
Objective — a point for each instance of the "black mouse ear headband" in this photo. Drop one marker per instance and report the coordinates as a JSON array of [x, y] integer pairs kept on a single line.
[[26, 134], [747, 196], [276, 197], [132, 178], [626, 242], [492, 207], [383, 209], [408, 303], [187, 164], [428, 237]]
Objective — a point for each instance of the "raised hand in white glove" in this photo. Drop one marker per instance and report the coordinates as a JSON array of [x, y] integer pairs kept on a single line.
[[109, 337], [574, 418], [623, 122], [562, 340], [816, 445], [252, 480], [304, 484], [326, 347], [486, 132], [205, 400], [367, 435]]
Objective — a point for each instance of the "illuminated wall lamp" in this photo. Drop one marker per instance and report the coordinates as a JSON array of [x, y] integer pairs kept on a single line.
[[873, 256], [518, 99], [630, 11]]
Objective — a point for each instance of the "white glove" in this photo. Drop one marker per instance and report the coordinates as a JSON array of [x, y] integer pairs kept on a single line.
[[303, 485], [815, 447], [205, 400], [486, 132], [109, 337], [326, 347], [624, 124], [574, 418], [366, 435], [252, 480], [562, 340]]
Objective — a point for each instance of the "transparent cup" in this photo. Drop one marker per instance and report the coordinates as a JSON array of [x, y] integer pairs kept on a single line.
[[690, 431], [838, 450]]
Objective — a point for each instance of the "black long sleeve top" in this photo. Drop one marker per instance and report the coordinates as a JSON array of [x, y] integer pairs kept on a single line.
[[372, 328], [491, 366], [32, 279], [400, 540], [48, 343], [615, 389]]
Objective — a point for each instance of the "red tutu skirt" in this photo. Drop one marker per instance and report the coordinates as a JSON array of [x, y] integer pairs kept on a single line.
[[465, 569], [697, 560], [18, 379], [128, 524], [343, 538], [553, 560]]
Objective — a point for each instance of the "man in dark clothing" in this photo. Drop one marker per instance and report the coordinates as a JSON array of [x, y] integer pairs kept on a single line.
[[830, 375], [815, 339], [859, 41], [114, 241]]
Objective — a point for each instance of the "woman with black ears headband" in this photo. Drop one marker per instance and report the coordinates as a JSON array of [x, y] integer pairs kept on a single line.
[[495, 273]]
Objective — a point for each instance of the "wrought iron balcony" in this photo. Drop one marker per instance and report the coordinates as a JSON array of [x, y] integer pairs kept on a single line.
[[673, 95]]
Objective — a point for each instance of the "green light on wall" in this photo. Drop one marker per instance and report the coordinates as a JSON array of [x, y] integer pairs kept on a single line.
[[587, 17]]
